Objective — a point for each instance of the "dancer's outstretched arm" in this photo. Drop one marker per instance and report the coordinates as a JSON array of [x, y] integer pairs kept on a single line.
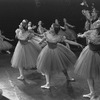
[[62, 27], [87, 33], [73, 43], [7, 38], [72, 26]]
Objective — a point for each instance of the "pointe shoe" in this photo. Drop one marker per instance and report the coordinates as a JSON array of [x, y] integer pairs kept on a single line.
[[71, 80], [88, 95], [8, 52], [20, 77], [45, 86]]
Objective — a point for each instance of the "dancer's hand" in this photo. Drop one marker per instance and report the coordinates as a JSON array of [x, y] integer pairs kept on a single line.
[[73, 26], [79, 34]]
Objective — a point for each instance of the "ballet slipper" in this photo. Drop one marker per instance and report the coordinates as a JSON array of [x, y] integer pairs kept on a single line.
[[47, 86], [71, 80], [20, 77], [88, 95], [8, 52]]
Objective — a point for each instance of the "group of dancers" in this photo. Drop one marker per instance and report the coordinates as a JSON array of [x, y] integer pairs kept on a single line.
[[55, 57], [5, 45], [49, 52], [29, 46]]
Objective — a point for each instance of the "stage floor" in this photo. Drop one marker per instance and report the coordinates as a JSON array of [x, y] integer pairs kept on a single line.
[[30, 88]]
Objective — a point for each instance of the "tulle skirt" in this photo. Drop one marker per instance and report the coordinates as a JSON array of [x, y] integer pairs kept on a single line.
[[25, 55], [4, 45], [88, 64], [55, 60]]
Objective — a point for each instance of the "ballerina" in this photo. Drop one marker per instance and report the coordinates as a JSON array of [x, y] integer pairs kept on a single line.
[[37, 37], [26, 52], [71, 35], [88, 63], [91, 15], [41, 29], [5, 45], [67, 30], [55, 57], [31, 27]]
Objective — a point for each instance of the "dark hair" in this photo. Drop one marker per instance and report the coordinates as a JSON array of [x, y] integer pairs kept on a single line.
[[25, 24], [56, 28]]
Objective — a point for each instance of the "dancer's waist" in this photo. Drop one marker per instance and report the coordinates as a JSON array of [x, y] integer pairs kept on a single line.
[[94, 47], [23, 42]]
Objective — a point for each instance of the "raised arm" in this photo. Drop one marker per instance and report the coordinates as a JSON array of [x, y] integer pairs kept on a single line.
[[69, 25], [62, 27], [72, 43], [66, 23]]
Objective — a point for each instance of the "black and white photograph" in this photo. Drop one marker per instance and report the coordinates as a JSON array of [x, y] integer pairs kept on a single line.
[[49, 49]]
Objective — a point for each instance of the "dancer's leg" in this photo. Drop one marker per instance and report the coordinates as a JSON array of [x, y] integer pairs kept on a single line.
[[91, 88], [47, 85], [21, 73], [67, 76]]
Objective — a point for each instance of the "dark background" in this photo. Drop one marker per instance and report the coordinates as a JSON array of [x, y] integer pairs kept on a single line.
[[13, 11]]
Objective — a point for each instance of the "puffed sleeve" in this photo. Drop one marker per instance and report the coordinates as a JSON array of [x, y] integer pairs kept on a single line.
[[96, 39], [93, 37], [88, 33], [17, 31]]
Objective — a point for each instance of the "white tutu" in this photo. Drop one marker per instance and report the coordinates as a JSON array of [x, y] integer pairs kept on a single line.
[[25, 55], [88, 64], [4, 45]]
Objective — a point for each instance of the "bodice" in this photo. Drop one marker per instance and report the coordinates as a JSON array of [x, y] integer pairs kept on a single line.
[[52, 45], [24, 42], [94, 47], [23, 37], [52, 40]]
